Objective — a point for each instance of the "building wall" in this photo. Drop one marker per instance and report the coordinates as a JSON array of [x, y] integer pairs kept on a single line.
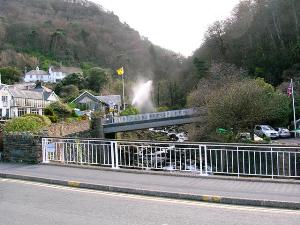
[[56, 76], [5, 105], [33, 78]]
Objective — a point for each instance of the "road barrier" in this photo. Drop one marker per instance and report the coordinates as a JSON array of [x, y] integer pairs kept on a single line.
[[202, 158]]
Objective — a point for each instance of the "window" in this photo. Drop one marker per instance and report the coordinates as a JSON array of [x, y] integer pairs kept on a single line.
[[5, 101], [4, 98], [7, 113], [34, 111], [21, 111]]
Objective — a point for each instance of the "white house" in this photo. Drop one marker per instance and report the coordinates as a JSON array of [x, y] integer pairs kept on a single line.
[[59, 73], [55, 74], [37, 74], [16, 100]]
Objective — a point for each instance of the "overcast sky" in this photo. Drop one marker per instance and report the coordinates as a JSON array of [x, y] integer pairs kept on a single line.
[[178, 25]]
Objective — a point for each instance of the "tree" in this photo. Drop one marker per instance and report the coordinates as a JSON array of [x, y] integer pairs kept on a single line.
[[69, 92], [76, 79], [242, 105], [219, 75], [10, 75], [97, 78], [202, 67]]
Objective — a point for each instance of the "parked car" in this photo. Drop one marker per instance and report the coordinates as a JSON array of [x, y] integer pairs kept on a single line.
[[283, 132], [265, 131]]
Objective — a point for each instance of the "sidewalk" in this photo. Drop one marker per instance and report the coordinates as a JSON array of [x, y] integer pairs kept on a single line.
[[244, 192]]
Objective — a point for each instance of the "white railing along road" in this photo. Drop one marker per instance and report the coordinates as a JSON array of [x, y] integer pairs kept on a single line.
[[202, 158]]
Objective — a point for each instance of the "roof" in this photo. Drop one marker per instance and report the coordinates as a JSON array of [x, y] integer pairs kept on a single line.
[[29, 91], [66, 70], [110, 99], [2, 86], [17, 93], [30, 86], [91, 96], [37, 72]]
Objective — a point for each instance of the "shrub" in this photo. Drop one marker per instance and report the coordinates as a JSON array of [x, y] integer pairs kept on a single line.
[[60, 109], [74, 114], [162, 109], [53, 119], [72, 105], [44, 120], [49, 112], [129, 111], [32, 124]]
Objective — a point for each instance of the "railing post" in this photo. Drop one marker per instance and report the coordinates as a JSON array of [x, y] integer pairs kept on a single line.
[[112, 153], [200, 156], [44, 150], [272, 167], [205, 158], [116, 155]]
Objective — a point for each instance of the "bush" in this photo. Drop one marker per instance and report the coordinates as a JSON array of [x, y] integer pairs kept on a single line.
[[49, 112], [129, 111], [32, 123], [162, 109], [44, 120], [61, 110], [53, 118]]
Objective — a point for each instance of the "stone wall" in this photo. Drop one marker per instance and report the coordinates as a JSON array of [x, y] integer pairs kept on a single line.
[[63, 129], [22, 147], [25, 147]]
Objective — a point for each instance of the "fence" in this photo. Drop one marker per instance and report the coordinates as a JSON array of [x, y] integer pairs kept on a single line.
[[202, 158], [150, 116]]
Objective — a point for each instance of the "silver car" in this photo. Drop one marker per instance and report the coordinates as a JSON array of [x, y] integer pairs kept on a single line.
[[283, 132], [265, 131]]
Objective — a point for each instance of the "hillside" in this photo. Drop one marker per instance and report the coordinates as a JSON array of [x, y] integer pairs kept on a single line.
[[77, 33], [262, 36]]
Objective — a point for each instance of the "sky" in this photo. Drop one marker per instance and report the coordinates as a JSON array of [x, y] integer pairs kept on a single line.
[[177, 25]]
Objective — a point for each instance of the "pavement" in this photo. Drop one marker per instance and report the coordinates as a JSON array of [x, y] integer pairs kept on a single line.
[[25, 203], [254, 192]]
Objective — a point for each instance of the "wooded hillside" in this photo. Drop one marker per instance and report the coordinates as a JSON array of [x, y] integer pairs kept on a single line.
[[77, 32], [262, 36]]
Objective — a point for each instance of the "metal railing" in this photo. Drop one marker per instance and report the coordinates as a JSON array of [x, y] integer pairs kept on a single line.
[[151, 116], [202, 158]]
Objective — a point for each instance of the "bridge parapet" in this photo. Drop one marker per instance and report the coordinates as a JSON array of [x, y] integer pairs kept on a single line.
[[153, 116]]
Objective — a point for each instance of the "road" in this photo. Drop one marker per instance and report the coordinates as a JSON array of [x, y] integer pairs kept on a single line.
[[24, 202]]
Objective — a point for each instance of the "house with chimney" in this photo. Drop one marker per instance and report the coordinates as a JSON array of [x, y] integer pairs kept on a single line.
[[53, 75], [20, 99]]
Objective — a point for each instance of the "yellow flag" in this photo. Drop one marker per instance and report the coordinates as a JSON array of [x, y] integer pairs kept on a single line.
[[120, 71]]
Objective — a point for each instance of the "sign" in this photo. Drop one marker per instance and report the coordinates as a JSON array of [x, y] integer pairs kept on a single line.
[[51, 147]]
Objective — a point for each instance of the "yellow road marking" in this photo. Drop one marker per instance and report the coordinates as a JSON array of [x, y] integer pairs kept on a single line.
[[158, 199], [73, 184], [205, 198]]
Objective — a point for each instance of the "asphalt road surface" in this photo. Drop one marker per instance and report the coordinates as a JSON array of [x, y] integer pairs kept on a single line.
[[23, 202]]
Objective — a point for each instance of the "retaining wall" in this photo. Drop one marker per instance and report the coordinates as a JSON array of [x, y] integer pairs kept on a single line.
[[23, 147]]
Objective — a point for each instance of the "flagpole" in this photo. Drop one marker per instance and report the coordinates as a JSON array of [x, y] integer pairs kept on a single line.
[[124, 107], [294, 112]]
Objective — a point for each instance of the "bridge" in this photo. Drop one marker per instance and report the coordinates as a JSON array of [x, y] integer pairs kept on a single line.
[[152, 120]]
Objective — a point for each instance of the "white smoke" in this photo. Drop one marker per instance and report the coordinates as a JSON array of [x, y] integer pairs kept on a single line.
[[142, 97]]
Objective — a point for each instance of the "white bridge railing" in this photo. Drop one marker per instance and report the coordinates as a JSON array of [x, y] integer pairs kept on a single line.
[[151, 116], [202, 158]]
